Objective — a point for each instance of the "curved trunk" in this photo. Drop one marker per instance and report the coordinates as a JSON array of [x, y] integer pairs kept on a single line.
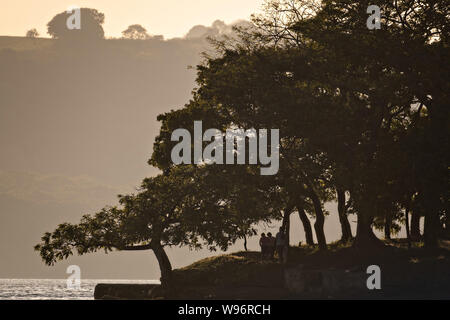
[[164, 265], [306, 226], [320, 221], [415, 225], [343, 218], [163, 260]]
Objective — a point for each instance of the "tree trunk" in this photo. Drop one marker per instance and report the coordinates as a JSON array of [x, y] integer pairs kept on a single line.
[[306, 226], [164, 265], [365, 238], [285, 225], [287, 228], [431, 230], [245, 243], [387, 228], [408, 236], [320, 220], [415, 225], [343, 218]]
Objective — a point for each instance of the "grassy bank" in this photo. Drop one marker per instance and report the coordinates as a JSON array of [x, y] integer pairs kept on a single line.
[[413, 272]]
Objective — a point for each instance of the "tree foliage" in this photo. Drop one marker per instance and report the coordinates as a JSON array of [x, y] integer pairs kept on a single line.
[[135, 32], [32, 33], [90, 27]]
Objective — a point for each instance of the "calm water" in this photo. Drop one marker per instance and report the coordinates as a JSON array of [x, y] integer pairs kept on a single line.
[[44, 289]]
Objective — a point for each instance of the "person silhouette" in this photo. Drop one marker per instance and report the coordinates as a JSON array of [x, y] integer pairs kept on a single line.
[[263, 245]]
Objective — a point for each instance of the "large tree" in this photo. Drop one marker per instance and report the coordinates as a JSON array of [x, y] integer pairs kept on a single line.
[[91, 28], [185, 206]]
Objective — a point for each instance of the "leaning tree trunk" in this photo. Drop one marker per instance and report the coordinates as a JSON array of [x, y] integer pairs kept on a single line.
[[164, 265], [306, 226], [343, 218], [320, 221], [415, 225]]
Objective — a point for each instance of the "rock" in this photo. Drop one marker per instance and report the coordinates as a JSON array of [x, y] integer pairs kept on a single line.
[[111, 291]]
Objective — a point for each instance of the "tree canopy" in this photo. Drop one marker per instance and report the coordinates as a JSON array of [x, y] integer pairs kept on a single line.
[[135, 32], [32, 33]]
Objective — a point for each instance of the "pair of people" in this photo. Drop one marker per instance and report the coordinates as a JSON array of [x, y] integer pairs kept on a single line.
[[267, 244], [270, 245]]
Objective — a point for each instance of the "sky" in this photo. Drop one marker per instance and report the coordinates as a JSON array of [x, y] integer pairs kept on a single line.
[[171, 18]]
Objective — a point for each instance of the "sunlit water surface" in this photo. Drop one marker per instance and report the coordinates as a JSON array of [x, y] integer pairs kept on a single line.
[[50, 289]]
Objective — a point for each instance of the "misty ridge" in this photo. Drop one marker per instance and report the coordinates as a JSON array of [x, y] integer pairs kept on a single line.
[[69, 106], [40, 189]]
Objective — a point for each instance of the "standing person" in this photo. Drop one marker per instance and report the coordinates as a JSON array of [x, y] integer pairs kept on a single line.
[[263, 245], [271, 245], [280, 240]]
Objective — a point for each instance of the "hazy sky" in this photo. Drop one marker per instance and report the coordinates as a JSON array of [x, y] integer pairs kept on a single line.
[[171, 18]]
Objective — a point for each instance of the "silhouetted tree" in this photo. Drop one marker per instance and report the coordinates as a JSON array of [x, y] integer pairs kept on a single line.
[[32, 33], [306, 225], [135, 32], [90, 27], [149, 220], [187, 206]]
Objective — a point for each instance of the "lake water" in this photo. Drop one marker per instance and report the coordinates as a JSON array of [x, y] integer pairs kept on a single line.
[[51, 289]]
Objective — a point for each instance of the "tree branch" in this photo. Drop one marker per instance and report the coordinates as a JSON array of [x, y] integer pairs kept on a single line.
[[135, 248]]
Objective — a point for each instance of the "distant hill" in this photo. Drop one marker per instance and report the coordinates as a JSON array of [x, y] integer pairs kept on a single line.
[[80, 110], [89, 108]]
